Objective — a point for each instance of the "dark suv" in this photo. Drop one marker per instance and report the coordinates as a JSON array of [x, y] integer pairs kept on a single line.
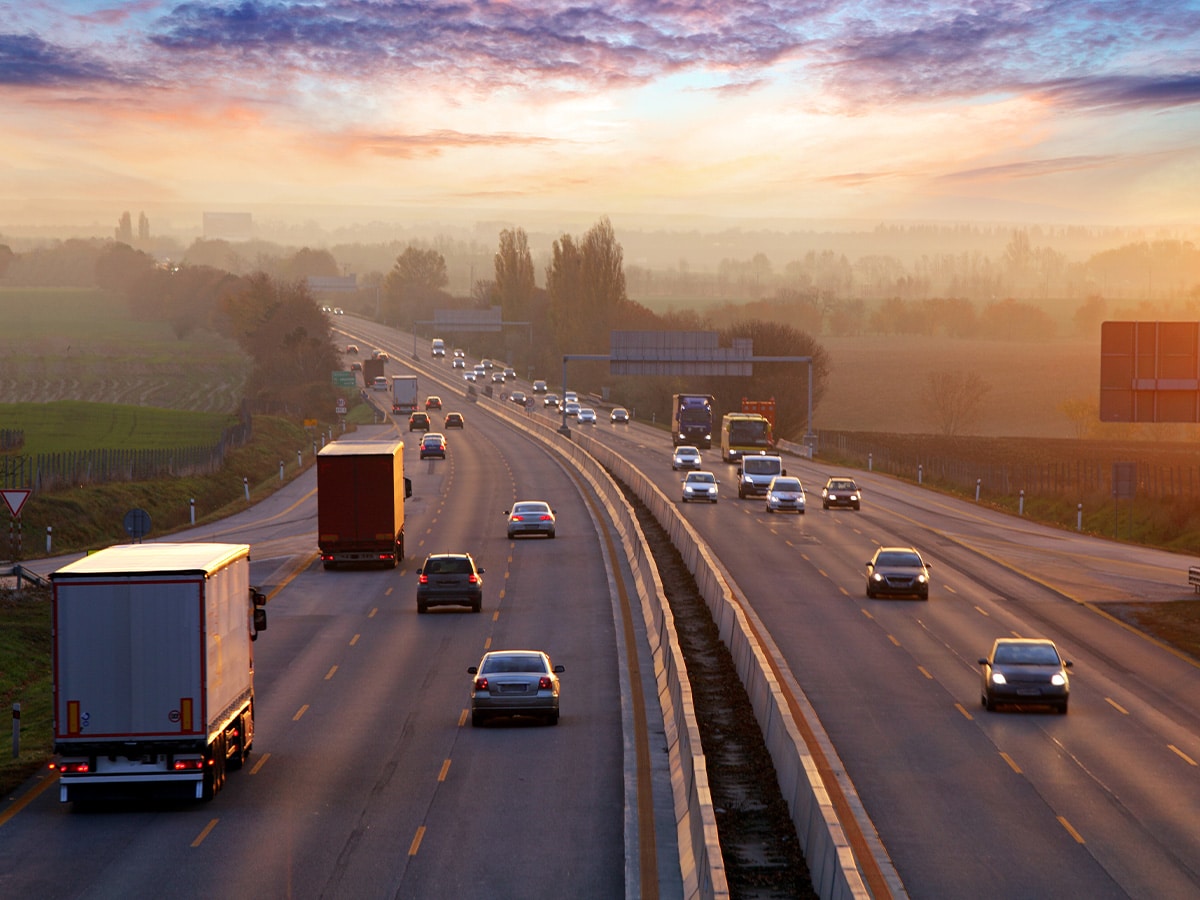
[[449, 579], [418, 421]]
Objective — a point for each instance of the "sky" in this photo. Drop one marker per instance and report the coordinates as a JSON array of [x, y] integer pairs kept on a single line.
[[689, 111]]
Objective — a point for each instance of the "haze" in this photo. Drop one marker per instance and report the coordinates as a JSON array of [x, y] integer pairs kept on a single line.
[[694, 112]]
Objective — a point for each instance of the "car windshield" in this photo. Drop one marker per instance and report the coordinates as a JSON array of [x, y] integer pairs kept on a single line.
[[701, 477], [841, 486], [496, 665], [787, 484], [898, 559], [447, 565], [687, 452], [1027, 655], [758, 466]]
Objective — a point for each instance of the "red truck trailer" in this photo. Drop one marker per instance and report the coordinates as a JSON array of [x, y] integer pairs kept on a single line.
[[361, 491]]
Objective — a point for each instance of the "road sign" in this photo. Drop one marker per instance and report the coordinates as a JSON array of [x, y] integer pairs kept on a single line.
[[1150, 372], [14, 499], [137, 523], [344, 379], [340, 406]]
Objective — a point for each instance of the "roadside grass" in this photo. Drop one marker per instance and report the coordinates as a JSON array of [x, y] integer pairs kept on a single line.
[[25, 679]]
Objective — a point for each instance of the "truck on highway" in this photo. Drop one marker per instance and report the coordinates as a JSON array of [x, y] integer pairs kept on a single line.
[[404, 394], [692, 419], [764, 408], [743, 433], [361, 491], [372, 369], [153, 672]]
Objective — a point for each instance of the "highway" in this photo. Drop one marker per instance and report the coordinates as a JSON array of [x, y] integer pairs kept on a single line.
[[367, 779], [364, 780]]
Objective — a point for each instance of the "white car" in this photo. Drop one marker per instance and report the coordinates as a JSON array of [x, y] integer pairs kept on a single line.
[[700, 486], [571, 408], [459, 363], [685, 457], [570, 397], [785, 493], [586, 416]]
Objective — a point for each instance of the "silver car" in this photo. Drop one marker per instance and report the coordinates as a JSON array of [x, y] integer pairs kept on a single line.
[[530, 517], [785, 494], [685, 457], [586, 416], [514, 683], [700, 486]]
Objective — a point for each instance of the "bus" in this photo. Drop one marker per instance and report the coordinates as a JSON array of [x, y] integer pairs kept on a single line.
[[743, 433]]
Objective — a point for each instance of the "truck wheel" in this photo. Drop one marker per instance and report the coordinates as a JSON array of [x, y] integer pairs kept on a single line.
[[238, 756]]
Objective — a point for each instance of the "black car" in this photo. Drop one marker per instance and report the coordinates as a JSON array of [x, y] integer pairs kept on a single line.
[[1025, 671], [418, 421], [897, 572], [841, 491], [449, 579], [454, 420]]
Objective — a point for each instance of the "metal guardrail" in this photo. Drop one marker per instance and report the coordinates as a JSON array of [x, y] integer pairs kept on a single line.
[[21, 573], [1194, 577]]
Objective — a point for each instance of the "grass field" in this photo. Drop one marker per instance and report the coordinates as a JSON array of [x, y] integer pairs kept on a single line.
[[61, 344], [68, 425]]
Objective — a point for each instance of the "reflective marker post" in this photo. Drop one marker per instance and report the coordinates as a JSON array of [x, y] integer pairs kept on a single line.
[[16, 730]]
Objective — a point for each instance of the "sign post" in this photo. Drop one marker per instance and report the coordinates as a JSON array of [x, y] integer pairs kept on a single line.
[[14, 499]]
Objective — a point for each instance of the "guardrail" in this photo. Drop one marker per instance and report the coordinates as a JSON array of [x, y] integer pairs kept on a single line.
[[784, 716], [21, 573], [1194, 577]]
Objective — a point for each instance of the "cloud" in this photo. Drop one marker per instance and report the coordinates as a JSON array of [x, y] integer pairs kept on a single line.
[[434, 143], [1125, 91], [1033, 168], [28, 61]]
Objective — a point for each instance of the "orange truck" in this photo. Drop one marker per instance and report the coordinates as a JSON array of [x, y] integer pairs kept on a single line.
[[764, 408]]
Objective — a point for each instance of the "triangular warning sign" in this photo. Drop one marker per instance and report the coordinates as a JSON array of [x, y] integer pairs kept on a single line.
[[15, 499]]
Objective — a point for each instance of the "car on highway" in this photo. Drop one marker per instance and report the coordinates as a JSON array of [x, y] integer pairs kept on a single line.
[[686, 457], [897, 572], [380, 383], [510, 374], [586, 416], [550, 400], [352, 349], [470, 376], [514, 683], [619, 416], [433, 445], [518, 397], [487, 364], [432, 402], [700, 486], [449, 579], [497, 378], [458, 363], [785, 493], [480, 370], [418, 421], [356, 366], [570, 397], [1025, 671], [571, 407], [338, 311], [454, 420], [380, 354], [460, 353], [530, 517], [841, 490], [539, 387]]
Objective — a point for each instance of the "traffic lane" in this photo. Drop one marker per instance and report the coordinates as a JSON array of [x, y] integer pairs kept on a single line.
[[899, 727], [511, 783]]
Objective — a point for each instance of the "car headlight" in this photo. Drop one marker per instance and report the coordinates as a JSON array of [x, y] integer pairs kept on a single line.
[[1058, 678], [921, 579], [876, 577], [998, 678]]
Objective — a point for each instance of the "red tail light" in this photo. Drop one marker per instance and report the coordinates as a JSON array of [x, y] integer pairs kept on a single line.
[[545, 518], [77, 768], [518, 518], [185, 765], [481, 684], [424, 579], [544, 683], [471, 579]]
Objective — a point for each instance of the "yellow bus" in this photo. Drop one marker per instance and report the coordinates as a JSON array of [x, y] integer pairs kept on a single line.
[[743, 433]]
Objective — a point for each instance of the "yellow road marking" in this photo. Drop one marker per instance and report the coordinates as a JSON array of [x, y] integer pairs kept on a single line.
[[301, 711], [329, 674], [924, 672], [1071, 831], [1012, 765], [203, 834], [354, 640], [966, 715], [445, 769], [1117, 706], [1182, 755], [262, 762], [416, 842]]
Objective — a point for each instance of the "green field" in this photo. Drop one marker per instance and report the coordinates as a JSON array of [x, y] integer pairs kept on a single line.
[[62, 344], [70, 425]]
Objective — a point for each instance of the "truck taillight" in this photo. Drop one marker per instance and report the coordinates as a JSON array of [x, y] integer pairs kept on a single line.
[[73, 768], [544, 683], [188, 765], [481, 684]]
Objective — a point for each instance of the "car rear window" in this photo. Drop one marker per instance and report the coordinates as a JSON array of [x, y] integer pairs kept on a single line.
[[448, 566], [501, 664]]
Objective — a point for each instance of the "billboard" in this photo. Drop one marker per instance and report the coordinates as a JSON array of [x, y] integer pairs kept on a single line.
[[1150, 372]]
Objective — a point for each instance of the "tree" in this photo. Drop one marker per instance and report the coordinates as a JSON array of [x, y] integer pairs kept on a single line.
[[124, 232], [514, 285], [6, 257], [413, 288], [421, 268], [1089, 315], [1084, 415], [955, 400], [586, 283]]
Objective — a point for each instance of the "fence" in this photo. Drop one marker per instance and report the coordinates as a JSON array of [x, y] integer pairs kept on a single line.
[[11, 439], [45, 472], [1075, 474]]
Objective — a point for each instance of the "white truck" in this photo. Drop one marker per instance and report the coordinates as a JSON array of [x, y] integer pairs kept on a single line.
[[404, 394], [437, 347], [755, 474], [153, 669]]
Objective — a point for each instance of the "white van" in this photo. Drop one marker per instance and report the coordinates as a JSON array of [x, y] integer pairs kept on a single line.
[[756, 472], [380, 383]]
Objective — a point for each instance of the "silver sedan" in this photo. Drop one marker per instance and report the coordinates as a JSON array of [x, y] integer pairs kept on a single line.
[[530, 517], [514, 683]]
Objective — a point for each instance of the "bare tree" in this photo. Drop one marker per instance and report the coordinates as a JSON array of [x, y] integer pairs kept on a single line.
[[515, 284], [955, 400]]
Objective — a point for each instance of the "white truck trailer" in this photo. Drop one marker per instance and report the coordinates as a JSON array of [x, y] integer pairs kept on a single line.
[[153, 668], [404, 394]]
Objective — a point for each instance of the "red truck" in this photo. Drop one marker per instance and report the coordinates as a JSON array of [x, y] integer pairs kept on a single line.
[[361, 491]]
